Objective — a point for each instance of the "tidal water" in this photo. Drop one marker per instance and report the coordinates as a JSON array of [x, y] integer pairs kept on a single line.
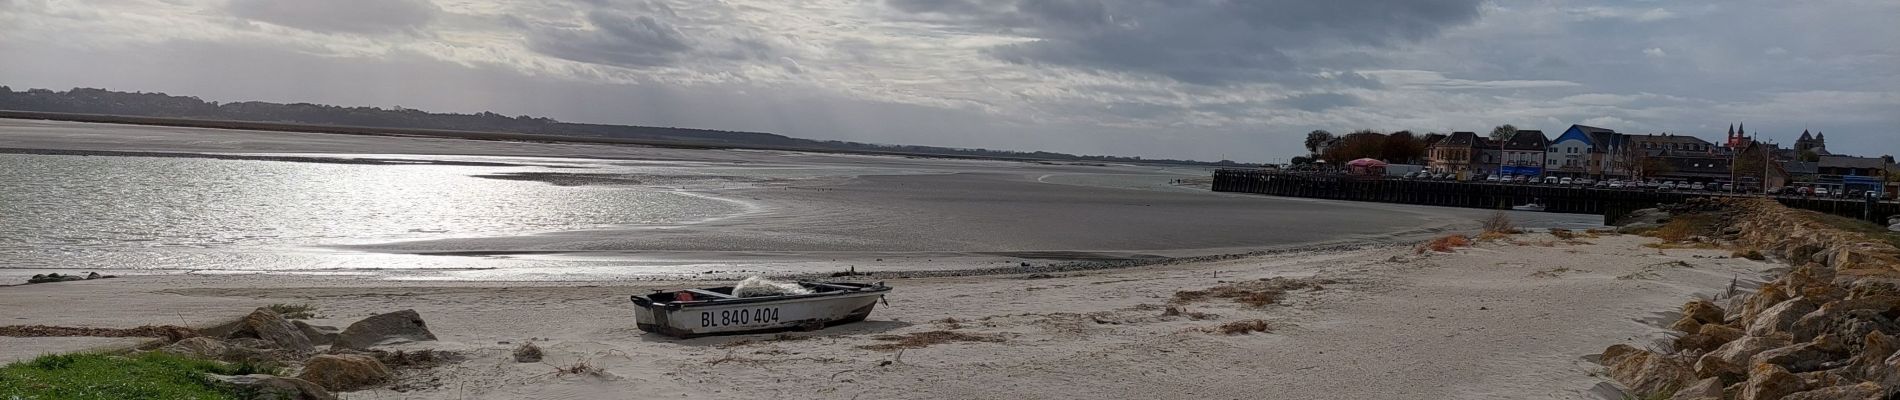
[[523, 211], [140, 213]]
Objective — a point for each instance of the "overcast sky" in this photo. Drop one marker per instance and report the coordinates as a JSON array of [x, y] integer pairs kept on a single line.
[[1204, 79]]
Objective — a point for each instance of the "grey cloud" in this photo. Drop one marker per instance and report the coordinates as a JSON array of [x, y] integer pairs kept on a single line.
[[339, 16], [618, 40], [640, 34], [1317, 102], [1208, 42]]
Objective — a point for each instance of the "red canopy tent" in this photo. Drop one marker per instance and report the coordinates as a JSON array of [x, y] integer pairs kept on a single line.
[[1366, 166]]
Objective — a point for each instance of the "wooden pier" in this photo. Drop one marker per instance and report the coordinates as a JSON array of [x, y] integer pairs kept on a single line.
[[1611, 203]]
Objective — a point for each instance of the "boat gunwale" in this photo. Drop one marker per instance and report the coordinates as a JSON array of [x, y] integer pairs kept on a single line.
[[643, 302]]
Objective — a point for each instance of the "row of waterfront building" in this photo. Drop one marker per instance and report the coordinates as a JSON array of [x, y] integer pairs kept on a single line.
[[1597, 153]]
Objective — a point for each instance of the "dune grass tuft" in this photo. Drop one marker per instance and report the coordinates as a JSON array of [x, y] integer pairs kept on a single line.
[[1445, 244]]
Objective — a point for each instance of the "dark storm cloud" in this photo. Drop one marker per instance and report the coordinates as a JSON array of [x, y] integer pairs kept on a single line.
[[1207, 41], [1319, 101], [340, 16]]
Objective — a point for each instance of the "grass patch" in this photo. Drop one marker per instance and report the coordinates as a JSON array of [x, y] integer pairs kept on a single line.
[[926, 339], [1751, 254], [100, 376], [169, 332], [1564, 234], [1682, 227], [294, 311], [1873, 231]]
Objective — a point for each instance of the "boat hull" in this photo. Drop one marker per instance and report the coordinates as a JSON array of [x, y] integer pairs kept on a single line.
[[767, 315]]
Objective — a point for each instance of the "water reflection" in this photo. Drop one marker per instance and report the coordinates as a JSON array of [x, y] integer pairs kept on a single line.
[[77, 212]]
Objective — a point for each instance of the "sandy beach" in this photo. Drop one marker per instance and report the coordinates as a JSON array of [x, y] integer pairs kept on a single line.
[[1515, 319]]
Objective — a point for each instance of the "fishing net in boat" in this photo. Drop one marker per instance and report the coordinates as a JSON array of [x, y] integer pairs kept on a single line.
[[759, 286]]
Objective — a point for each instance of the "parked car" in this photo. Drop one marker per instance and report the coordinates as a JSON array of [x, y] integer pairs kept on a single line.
[[1617, 184], [1821, 192], [1698, 186], [1550, 180], [1602, 185], [1667, 186], [1493, 179], [1728, 187], [1521, 179], [1586, 181]]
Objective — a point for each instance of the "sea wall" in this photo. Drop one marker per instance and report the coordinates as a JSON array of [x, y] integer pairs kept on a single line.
[[1823, 330]]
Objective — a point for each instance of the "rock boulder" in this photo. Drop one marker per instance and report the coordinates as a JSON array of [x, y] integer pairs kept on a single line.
[[1703, 311], [1863, 390], [197, 347], [270, 387], [1710, 388], [319, 335], [345, 372], [267, 325], [1801, 357], [1645, 372], [1781, 317], [1731, 360], [1770, 382], [396, 327]]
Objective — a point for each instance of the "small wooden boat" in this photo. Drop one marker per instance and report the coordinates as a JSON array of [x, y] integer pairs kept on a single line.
[[716, 311], [1533, 206]]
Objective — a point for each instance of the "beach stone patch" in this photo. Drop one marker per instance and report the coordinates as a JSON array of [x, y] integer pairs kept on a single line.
[[56, 277], [267, 325], [345, 372], [384, 329], [270, 387]]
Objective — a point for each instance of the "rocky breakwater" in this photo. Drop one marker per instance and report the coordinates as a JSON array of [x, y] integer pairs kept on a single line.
[[1826, 329], [351, 362]]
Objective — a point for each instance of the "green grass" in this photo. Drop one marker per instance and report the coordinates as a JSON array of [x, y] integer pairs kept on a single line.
[[111, 377]]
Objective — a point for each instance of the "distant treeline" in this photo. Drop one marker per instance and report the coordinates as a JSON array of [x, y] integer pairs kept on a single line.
[[101, 101]]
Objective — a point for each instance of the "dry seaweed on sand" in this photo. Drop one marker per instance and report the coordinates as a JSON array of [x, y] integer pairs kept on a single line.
[[1258, 293], [1243, 327], [926, 339]]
